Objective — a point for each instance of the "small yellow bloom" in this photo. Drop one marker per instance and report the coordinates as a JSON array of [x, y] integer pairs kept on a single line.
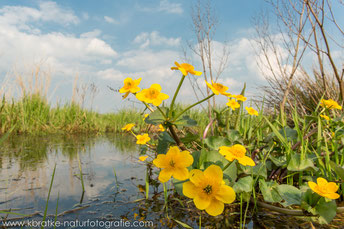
[[186, 68], [251, 111], [218, 88], [152, 95], [161, 128], [173, 163], [236, 152], [330, 104], [145, 116], [325, 117], [143, 158], [239, 97], [232, 103], [208, 190], [324, 188], [142, 139], [128, 127], [130, 85]]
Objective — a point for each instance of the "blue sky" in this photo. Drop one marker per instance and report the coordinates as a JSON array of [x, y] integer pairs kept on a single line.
[[103, 42]]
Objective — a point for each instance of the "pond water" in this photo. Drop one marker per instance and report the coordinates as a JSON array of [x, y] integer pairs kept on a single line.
[[114, 182]]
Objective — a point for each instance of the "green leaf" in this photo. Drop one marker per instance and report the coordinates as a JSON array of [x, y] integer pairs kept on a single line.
[[289, 133], [326, 210], [278, 161], [208, 158], [189, 137], [269, 191], [156, 117], [243, 185], [214, 142], [231, 172], [196, 156], [338, 169], [296, 164], [258, 170], [234, 136], [185, 121], [178, 186], [164, 140], [290, 194]]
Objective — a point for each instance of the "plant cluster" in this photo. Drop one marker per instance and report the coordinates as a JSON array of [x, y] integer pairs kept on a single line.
[[249, 157]]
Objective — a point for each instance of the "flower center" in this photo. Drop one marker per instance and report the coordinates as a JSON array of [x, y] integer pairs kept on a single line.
[[208, 189], [218, 86], [172, 163], [152, 93]]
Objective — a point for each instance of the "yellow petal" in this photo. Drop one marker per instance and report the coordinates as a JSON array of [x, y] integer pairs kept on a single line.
[[177, 64], [163, 96], [225, 194], [157, 102], [332, 196], [332, 187], [189, 189], [197, 73], [165, 175], [184, 72], [181, 173], [202, 201], [246, 161], [156, 86], [214, 172], [184, 159], [143, 158], [321, 181], [141, 95], [173, 150], [123, 90], [312, 185], [126, 95], [215, 207], [137, 81], [196, 176], [161, 161]]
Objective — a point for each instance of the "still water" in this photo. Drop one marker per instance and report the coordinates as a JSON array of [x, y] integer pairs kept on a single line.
[[114, 182]]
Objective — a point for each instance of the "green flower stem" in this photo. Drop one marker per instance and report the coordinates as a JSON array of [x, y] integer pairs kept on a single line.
[[229, 163], [191, 106], [165, 196], [175, 95], [149, 108], [163, 114]]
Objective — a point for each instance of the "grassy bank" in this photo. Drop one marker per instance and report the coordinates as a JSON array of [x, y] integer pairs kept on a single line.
[[33, 114]]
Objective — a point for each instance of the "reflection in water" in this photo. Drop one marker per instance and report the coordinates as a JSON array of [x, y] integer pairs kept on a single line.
[[26, 166]]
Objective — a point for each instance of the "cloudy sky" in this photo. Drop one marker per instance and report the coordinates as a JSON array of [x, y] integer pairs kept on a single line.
[[103, 42]]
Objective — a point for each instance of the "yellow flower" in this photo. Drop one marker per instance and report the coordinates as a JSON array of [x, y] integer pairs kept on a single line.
[[239, 97], [145, 116], [208, 190], [143, 158], [236, 152], [324, 188], [152, 95], [142, 139], [130, 85], [173, 163], [186, 68], [218, 88], [128, 126], [251, 111], [330, 104], [161, 128], [232, 103], [325, 117]]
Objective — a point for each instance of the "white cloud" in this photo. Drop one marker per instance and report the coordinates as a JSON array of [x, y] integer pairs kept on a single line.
[[92, 34], [166, 7], [155, 39], [110, 20]]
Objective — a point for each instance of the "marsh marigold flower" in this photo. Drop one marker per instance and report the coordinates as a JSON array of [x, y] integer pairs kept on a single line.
[[218, 88], [173, 163], [324, 188], [161, 128], [251, 111], [330, 104], [143, 158], [239, 97], [208, 190], [128, 127], [186, 68], [236, 152], [142, 139], [130, 86], [232, 103], [152, 95]]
